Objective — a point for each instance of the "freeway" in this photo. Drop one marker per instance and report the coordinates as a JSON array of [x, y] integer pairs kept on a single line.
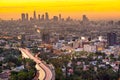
[[45, 72]]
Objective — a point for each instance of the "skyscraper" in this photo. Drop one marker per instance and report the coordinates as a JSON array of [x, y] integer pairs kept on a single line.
[[59, 17], [111, 39], [46, 16], [46, 37], [27, 16], [42, 17], [55, 18], [34, 15], [23, 17], [38, 16], [85, 19]]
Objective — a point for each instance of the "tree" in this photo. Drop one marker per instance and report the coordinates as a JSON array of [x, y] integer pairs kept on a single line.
[[0, 70], [1, 50], [29, 64], [59, 74], [31, 74], [14, 77], [22, 75]]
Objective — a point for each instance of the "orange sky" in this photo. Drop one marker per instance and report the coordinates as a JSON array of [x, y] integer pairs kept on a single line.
[[94, 9]]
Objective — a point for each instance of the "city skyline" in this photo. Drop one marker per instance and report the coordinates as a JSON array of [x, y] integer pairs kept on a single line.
[[37, 16], [94, 9]]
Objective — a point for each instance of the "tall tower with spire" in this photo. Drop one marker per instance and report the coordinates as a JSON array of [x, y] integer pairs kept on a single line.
[[46, 16], [34, 15]]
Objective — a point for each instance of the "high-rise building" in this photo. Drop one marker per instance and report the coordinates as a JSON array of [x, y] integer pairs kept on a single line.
[[85, 19], [46, 37], [68, 18], [42, 17], [59, 17], [27, 18], [38, 16], [31, 18], [111, 39], [55, 18], [23, 17], [34, 15], [46, 16]]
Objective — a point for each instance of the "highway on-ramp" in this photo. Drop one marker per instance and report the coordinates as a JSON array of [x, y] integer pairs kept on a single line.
[[45, 72]]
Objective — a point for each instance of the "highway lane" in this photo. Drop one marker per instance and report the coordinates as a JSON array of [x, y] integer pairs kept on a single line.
[[41, 72], [45, 72]]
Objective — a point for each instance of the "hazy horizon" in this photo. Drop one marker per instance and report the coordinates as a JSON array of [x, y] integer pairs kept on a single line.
[[94, 9]]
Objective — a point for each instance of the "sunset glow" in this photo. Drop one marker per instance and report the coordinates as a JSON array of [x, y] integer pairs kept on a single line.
[[102, 9]]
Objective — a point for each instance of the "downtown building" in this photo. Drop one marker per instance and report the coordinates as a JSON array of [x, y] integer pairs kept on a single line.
[[111, 39]]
